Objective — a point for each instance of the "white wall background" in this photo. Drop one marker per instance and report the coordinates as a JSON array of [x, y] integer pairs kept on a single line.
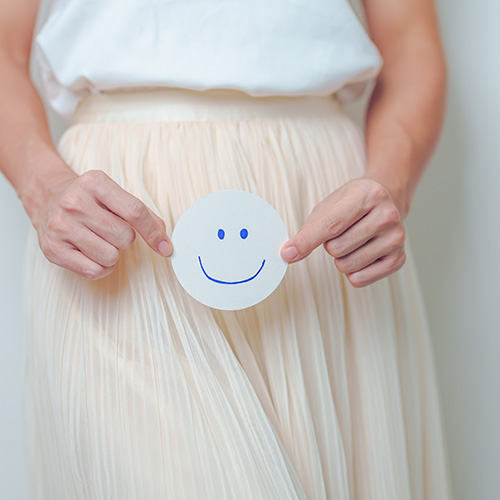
[[454, 231]]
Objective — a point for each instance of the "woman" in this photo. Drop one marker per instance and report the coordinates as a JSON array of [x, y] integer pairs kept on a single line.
[[326, 389]]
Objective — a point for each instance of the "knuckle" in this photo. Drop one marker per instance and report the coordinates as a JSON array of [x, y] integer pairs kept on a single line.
[[401, 260], [391, 214], [92, 177], [376, 192], [394, 262], [399, 237], [47, 249], [350, 263], [342, 265], [332, 224], [71, 201], [56, 223], [127, 237], [332, 247], [110, 257], [135, 209]]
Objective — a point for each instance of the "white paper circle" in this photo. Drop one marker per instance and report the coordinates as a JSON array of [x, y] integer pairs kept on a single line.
[[226, 249]]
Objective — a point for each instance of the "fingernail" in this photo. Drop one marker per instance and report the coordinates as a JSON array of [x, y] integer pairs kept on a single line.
[[289, 253], [165, 248]]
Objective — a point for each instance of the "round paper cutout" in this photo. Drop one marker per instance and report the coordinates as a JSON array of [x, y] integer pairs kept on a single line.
[[226, 249]]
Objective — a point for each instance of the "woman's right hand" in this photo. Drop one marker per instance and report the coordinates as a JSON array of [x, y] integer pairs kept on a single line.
[[83, 221]]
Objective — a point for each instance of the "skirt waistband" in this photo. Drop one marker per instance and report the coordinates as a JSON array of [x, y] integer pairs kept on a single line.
[[175, 104]]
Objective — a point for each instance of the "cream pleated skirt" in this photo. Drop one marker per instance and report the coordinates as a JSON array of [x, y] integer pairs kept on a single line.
[[134, 390]]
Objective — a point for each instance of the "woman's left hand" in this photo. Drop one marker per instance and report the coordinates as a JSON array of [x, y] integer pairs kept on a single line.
[[361, 226]]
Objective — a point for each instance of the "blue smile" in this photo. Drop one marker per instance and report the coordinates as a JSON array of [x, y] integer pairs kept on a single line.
[[231, 282]]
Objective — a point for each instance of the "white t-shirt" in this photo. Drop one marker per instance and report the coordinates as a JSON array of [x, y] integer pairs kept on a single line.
[[262, 47]]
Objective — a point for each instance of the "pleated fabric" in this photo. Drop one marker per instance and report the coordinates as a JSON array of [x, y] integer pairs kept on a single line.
[[134, 390]]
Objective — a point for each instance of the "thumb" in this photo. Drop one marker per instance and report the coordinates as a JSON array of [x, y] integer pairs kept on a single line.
[[309, 237]]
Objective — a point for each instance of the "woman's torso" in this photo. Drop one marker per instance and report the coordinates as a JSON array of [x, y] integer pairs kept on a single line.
[[263, 47]]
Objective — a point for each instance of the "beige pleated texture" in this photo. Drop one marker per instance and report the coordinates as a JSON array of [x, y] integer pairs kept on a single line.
[[136, 391]]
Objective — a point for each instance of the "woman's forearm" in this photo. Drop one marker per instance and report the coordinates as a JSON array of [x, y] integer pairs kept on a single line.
[[27, 153], [405, 113]]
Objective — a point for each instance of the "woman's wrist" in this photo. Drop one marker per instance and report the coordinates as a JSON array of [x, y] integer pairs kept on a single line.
[[45, 167], [399, 191], [393, 161]]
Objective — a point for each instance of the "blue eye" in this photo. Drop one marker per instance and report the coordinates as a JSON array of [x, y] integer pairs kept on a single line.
[[243, 233], [221, 234]]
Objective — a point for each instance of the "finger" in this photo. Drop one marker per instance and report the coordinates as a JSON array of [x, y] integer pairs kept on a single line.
[[378, 270], [372, 250], [70, 258], [328, 220], [135, 212], [109, 227], [376, 221], [93, 246]]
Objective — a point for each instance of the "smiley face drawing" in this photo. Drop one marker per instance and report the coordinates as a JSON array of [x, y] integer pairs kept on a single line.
[[226, 249]]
